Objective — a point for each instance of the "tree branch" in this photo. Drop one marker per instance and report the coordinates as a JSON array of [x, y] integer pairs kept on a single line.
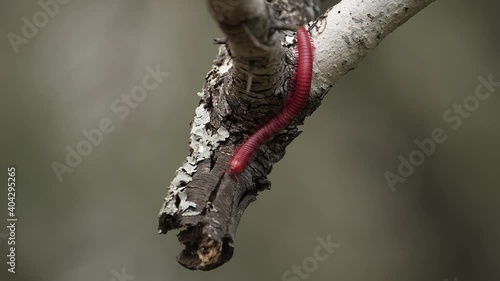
[[246, 85], [346, 33]]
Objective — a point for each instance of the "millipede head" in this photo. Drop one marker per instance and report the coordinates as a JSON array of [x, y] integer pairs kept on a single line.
[[236, 166]]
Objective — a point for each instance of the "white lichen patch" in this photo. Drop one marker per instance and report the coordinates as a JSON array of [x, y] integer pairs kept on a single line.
[[289, 40], [188, 167], [203, 143], [226, 66], [223, 133], [181, 178], [190, 213]]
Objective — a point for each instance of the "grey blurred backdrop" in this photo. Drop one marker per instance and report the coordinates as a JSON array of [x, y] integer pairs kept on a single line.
[[440, 224]]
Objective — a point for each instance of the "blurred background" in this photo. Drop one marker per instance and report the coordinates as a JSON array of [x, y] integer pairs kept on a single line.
[[99, 221]]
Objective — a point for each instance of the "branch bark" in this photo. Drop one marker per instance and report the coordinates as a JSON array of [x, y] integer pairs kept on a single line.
[[246, 86]]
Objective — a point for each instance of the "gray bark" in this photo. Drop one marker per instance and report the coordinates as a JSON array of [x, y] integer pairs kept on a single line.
[[202, 200]]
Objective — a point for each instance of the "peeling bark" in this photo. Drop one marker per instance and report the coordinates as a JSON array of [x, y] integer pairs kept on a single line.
[[246, 87]]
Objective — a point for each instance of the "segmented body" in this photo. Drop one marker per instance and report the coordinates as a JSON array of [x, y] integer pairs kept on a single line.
[[298, 93]]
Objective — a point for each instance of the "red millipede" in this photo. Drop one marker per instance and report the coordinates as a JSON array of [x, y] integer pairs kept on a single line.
[[298, 93]]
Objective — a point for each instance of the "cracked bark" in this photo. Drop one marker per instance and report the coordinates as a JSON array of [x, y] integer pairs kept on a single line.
[[203, 201]]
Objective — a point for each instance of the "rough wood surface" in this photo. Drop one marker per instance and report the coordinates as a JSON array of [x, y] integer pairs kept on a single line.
[[202, 200]]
